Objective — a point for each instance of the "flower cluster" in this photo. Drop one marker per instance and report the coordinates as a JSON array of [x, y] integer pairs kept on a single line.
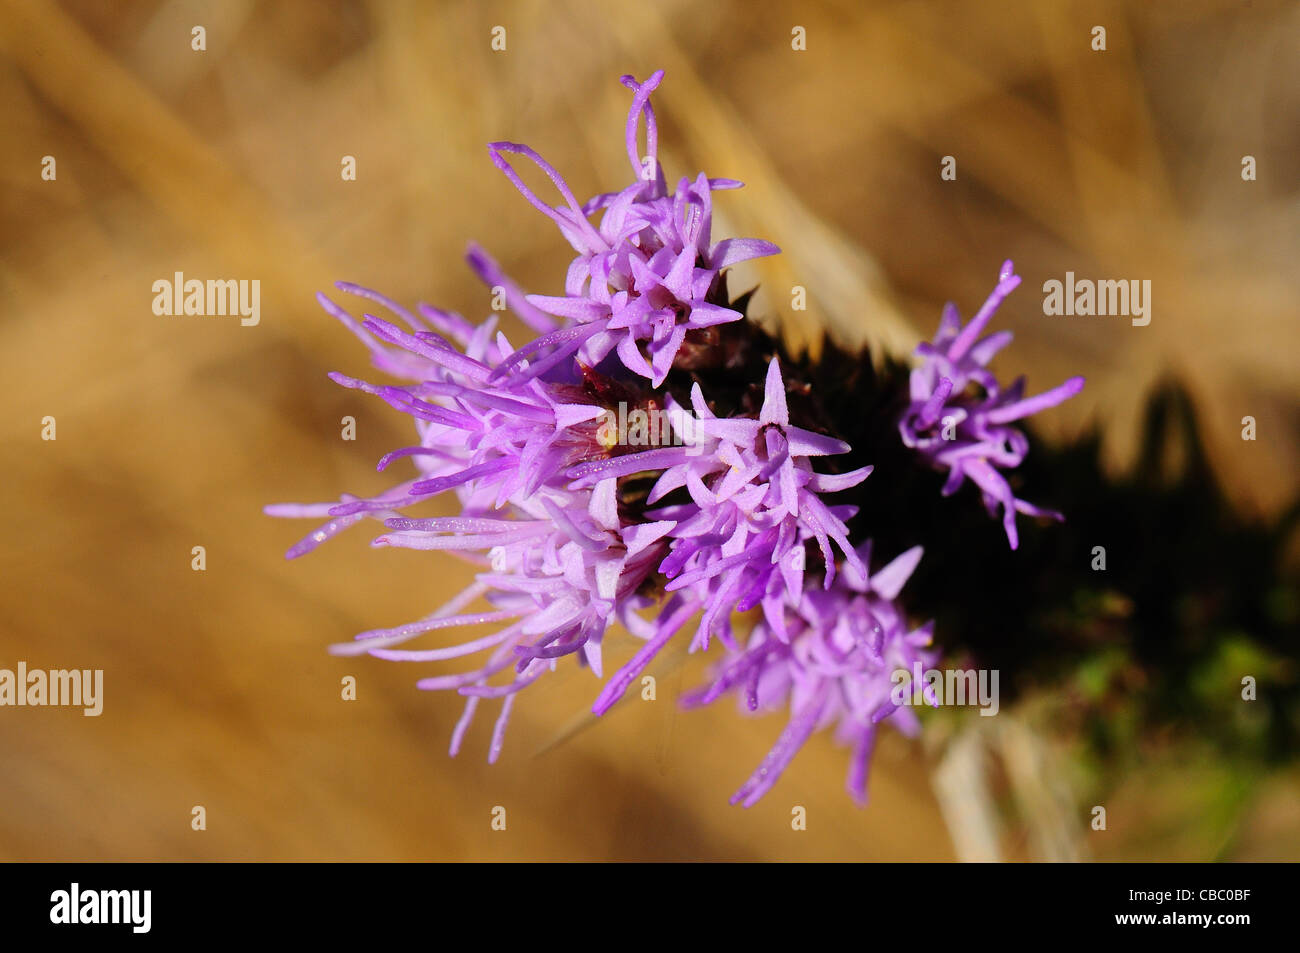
[[959, 416], [573, 529], [832, 664], [647, 275]]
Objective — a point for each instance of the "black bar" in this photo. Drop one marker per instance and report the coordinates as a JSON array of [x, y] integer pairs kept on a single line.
[[448, 904]]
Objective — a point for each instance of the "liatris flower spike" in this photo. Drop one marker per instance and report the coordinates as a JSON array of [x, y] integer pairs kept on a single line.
[[726, 488]]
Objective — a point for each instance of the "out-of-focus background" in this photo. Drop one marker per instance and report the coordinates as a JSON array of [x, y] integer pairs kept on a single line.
[[173, 432]]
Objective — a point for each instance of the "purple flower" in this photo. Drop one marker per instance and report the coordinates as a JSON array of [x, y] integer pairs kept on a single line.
[[959, 415], [561, 565], [648, 275], [753, 507], [835, 665]]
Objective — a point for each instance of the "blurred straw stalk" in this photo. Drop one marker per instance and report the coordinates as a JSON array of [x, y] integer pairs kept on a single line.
[[226, 162]]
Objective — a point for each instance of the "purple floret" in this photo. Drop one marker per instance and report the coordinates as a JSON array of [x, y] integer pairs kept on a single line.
[[959, 416], [833, 665]]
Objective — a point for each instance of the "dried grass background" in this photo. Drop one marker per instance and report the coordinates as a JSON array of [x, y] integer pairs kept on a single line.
[[173, 432]]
